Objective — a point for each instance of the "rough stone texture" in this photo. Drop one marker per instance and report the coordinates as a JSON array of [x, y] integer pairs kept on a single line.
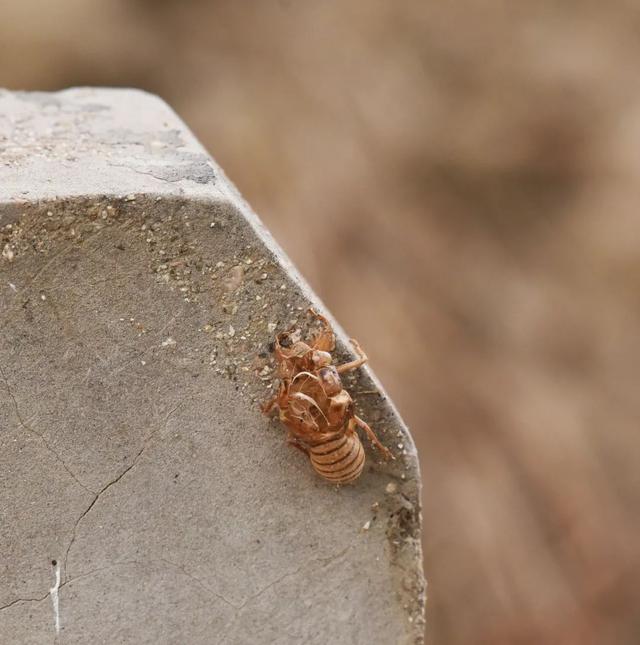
[[138, 298]]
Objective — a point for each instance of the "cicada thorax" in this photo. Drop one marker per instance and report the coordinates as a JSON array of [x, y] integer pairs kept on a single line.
[[337, 456], [333, 405], [302, 415]]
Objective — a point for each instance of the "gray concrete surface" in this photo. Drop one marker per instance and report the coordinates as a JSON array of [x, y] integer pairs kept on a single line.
[[143, 496]]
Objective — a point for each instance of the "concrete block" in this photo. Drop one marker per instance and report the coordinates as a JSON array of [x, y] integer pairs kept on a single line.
[[144, 498]]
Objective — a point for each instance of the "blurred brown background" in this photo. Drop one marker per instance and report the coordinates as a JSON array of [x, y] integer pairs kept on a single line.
[[460, 182]]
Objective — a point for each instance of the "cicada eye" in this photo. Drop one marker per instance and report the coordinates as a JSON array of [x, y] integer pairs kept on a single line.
[[330, 380], [320, 358]]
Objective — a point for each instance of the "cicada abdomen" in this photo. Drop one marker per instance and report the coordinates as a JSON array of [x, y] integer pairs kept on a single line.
[[339, 459]]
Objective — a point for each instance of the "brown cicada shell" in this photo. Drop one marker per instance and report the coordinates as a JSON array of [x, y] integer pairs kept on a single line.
[[316, 409]]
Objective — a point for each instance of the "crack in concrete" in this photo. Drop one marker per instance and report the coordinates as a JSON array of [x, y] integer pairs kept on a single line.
[[65, 583], [111, 483], [92, 504], [40, 436], [19, 600], [181, 568], [325, 562], [199, 583], [88, 574], [70, 581]]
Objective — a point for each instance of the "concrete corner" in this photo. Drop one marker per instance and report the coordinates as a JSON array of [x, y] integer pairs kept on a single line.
[[144, 496]]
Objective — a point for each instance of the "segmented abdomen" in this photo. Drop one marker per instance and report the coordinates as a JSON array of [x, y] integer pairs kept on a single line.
[[338, 459]]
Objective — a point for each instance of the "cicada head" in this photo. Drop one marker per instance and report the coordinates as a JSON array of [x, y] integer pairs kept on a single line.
[[319, 359]]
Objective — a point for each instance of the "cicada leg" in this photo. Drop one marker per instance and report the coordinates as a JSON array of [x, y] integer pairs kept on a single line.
[[372, 436], [292, 441], [353, 365]]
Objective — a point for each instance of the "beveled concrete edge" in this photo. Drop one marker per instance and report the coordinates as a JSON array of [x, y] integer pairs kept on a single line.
[[219, 191]]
